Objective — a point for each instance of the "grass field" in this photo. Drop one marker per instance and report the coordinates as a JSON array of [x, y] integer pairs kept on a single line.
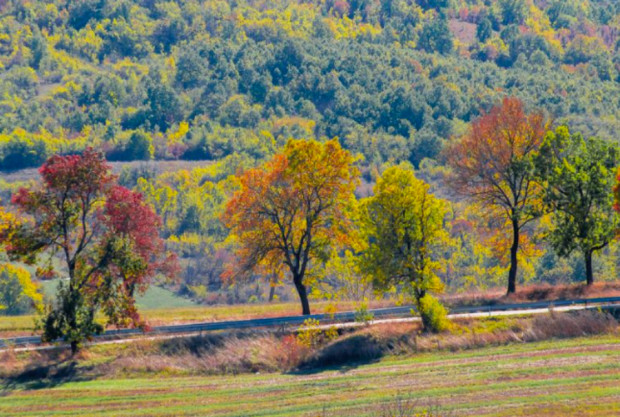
[[573, 377], [154, 297]]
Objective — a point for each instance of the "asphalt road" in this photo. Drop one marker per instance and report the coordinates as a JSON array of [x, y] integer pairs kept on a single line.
[[342, 319]]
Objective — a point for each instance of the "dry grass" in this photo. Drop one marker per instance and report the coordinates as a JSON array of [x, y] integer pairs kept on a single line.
[[566, 292], [583, 323], [188, 367], [533, 293], [252, 352], [374, 342], [210, 355], [409, 407], [570, 377]]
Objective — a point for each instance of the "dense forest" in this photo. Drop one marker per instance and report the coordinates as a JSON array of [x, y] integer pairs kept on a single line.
[[230, 82], [204, 79]]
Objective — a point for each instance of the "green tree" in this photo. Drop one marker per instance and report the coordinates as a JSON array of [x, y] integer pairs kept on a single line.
[[140, 147], [513, 11], [484, 30], [579, 174], [436, 37], [404, 225]]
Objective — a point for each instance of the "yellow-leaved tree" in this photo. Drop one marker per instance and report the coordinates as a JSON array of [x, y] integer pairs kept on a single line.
[[18, 293], [404, 225]]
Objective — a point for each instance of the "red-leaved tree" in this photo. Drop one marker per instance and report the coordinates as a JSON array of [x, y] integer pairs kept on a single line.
[[493, 166], [105, 235]]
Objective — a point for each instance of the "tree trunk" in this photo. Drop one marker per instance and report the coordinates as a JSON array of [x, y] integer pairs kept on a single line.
[[303, 295], [272, 292], [426, 322], [74, 347], [514, 249], [72, 317], [589, 274]]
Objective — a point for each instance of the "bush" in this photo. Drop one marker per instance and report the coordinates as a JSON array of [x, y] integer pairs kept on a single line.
[[140, 147], [434, 314], [20, 152], [311, 335], [362, 315]]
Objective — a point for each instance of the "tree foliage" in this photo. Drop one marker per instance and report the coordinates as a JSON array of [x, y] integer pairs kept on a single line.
[[493, 166], [579, 175], [404, 225], [18, 293], [93, 73], [293, 209], [106, 236]]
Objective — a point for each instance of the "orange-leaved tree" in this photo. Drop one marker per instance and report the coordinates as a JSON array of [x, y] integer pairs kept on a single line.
[[493, 166], [293, 209]]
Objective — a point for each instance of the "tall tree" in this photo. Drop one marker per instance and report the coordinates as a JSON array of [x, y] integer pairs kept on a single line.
[[579, 175], [105, 235], [293, 209], [403, 223], [493, 165]]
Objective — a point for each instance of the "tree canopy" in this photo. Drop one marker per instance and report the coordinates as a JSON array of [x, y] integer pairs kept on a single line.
[[494, 166], [404, 225], [579, 175], [106, 236], [293, 209]]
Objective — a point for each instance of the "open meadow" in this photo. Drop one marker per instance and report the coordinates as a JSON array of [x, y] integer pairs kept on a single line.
[[575, 377]]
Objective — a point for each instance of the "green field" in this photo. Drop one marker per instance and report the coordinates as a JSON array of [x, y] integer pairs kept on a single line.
[[154, 297], [577, 377]]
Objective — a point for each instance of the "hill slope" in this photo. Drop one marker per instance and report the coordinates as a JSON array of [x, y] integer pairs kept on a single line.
[[201, 79]]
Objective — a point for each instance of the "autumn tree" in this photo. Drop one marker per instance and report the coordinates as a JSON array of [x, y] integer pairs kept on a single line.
[[579, 175], [18, 293], [493, 165], [293, 209], [404, 225], [105, 235]]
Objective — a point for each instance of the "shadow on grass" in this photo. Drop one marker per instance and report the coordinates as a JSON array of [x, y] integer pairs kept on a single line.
[[47, 376], [344, 355]]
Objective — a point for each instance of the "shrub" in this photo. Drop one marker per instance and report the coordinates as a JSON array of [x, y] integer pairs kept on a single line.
[[311, 335], [362, 315], [434, 314]]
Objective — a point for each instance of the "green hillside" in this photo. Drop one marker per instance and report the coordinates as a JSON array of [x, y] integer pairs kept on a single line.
[[197, 79]]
